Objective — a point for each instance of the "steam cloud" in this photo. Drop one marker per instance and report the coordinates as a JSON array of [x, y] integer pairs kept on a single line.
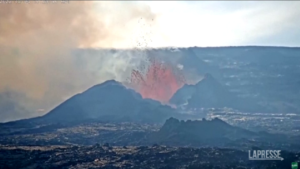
[[39, 66]]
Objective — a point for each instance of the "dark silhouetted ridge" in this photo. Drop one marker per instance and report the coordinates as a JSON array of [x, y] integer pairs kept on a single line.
[[209, 93], [199, 132], [109, 101]]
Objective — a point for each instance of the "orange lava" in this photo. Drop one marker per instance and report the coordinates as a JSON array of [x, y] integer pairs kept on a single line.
[[160, 81]]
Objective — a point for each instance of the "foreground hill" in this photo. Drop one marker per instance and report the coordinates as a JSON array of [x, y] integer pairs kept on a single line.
[[216, 133], [200, 133]]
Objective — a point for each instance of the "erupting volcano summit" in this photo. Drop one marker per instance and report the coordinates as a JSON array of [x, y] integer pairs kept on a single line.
[[160, 81]]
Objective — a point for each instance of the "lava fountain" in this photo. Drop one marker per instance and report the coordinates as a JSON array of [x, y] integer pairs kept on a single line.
[[159, 82]]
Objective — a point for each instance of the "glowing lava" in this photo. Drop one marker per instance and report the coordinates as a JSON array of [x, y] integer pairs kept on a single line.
[[159, 82]]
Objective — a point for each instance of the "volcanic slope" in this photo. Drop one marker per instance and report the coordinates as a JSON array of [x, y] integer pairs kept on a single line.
[[109, 101], [209, 93]]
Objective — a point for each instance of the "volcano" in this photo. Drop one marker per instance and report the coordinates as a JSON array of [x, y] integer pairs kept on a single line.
[[109, 101], [160, 81]]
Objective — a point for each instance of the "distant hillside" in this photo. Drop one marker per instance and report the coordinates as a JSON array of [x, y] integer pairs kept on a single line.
[[208, 93], [183, 56], [185, 59]]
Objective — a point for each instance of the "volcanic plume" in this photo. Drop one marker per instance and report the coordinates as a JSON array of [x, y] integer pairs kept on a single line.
[[159, 82]]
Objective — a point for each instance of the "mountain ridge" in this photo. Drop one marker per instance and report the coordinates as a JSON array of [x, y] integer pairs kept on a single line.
[[209, 93], [110, 100], [215, 132]]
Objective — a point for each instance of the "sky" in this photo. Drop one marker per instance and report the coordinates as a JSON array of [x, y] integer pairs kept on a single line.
[[223, 23], [39, 67]]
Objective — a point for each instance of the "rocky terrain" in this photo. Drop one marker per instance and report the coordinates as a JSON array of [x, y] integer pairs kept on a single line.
[[147, 157], [200, 133], [87, 133]]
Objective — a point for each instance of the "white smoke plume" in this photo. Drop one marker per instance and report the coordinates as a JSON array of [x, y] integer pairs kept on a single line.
[[40, 64]]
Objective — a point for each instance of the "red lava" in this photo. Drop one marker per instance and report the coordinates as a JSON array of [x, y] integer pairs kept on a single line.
[[160, 81]]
